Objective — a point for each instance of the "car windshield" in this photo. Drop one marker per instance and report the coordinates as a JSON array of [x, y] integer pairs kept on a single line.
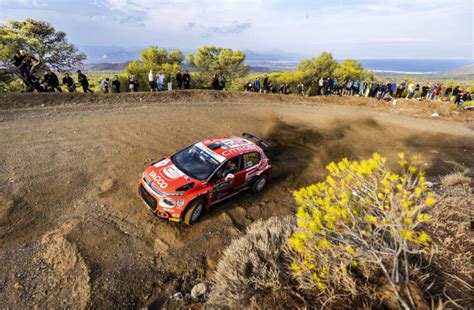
[[195, 162]]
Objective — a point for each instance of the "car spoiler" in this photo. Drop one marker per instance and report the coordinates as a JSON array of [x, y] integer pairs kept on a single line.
[[259, 141]]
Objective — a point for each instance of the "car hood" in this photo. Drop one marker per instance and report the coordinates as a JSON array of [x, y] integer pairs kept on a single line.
[[166, 177]]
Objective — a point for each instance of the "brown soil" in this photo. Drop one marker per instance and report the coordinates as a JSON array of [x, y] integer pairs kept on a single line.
[[73, 231]]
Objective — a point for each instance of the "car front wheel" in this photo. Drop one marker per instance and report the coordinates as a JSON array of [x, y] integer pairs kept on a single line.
[[194, 211]]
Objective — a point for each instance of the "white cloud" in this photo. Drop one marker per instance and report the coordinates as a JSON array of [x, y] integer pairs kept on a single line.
[[403, 28], [23, 4]]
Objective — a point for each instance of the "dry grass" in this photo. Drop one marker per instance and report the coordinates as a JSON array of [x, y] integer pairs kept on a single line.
[[253, 272], [453, 179], [450, 230]]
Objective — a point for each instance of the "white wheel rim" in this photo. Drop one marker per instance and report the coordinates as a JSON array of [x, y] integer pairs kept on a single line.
[[196, 212], [261, 184]]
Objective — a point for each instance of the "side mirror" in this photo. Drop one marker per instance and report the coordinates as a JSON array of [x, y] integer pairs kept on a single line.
[[229, 177]]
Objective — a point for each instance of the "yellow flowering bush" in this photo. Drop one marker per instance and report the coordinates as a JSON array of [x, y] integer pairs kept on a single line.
[[362, 218]]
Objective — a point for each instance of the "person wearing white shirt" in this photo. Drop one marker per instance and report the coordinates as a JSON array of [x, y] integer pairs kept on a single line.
[[160, 79], [411, 91], [151, 80]]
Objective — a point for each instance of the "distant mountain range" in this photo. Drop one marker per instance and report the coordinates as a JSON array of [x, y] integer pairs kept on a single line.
[[117, 54], [115, 58]]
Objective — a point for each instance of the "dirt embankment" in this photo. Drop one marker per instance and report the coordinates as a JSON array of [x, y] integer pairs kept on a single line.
[[69, 171], [403, 106]]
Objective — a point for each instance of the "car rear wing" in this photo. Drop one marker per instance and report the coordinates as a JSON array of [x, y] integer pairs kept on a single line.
[[259, 141]]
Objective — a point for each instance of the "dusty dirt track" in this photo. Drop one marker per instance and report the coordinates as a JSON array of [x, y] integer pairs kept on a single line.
[[69, 172]]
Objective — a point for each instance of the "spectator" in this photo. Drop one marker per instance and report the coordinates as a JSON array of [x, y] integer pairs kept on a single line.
[[374, 87], [393, 88], [215, 82], [431, 91], [29, 62], [104, 85], [248, 86], [447, 93], [266, 85], [417, 89], [326, 85], [35, 83], [116, 84], [179, 79], [437, 90], [151, 80], [355, 88], [131, 84], [82, 78], [348, 87], [300, 88], [271, 88], [400, 89], [256, 85], [52, 80], [17, 61], [362, 87], [286, 89], [69, 83], [160, 80], [186, 80], [136, 85], [424, 92], [411, 91], [222, 83], [320, 90]]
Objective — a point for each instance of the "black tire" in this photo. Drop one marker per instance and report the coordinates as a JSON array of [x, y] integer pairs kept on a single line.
[[194, 211], [260, 183]]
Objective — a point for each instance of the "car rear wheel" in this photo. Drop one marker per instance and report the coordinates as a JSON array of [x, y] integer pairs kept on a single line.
[[259, 184], [194, 211]]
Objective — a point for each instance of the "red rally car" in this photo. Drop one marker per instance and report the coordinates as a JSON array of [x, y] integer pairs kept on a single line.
[[180, 186]]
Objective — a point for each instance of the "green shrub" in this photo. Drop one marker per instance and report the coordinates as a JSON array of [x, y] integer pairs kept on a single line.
[[363, 219]]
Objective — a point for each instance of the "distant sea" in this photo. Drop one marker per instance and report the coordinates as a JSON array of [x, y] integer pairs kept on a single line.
[[414, 66], [400, 66]]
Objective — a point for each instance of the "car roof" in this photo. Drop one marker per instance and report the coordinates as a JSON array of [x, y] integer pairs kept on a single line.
[[230, 147]]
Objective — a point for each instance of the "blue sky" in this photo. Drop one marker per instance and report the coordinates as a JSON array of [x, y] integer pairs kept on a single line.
[[347, 28]]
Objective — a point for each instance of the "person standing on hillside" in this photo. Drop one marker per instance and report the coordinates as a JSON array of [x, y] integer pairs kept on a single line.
[[325, 90], [116, 84], [393, 88], [256, 85], [300, 89], [417, 89], [82, 78], [186, 80], [215, 82], [151, 80], [411, 91], [131, 83], [320, 88], [362, 87], [160, 80], [179, 79], [69, 82], [266, 89], [400, 89]]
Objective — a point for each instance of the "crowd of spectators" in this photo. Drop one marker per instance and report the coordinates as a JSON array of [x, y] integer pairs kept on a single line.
[[374, 89], [324, 86]]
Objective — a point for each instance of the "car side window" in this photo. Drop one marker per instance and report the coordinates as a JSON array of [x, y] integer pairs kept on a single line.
[[251, 159], [233, 165]]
